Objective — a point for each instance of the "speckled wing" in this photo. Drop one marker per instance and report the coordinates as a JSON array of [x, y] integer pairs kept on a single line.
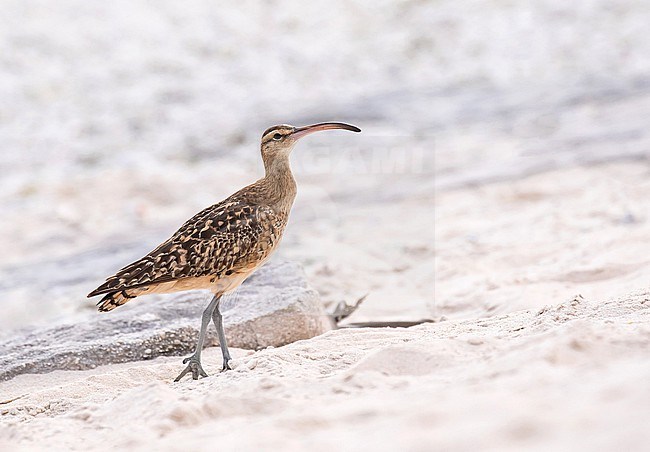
[[220, 240]]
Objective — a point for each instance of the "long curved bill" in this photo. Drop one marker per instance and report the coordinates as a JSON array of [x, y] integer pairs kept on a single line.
[[300, 132]]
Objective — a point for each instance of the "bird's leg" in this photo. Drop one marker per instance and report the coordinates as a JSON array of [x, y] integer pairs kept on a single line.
[[194, 362], [217, 318]]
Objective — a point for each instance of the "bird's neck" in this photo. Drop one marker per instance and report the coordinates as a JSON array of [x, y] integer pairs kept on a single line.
[[279, 184]]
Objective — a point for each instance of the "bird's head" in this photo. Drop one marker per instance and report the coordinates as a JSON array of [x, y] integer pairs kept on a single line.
[[278, 141]]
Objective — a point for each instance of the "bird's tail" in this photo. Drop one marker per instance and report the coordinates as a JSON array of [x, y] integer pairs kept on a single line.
[[113, 300]]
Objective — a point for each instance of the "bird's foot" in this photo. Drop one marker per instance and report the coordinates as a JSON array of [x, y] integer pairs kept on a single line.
[[194, 366], [226, 365]]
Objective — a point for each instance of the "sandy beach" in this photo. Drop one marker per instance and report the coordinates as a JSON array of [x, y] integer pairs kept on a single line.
[[498, 193], [568, 376]]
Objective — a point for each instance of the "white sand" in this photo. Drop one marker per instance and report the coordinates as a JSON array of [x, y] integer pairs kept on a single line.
[[572, 376]]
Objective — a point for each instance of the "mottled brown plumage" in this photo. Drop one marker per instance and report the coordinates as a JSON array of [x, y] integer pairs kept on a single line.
[[223, 242], [218, 248]]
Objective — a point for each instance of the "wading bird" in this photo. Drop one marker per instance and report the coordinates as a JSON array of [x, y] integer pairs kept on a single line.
[[218, 248]]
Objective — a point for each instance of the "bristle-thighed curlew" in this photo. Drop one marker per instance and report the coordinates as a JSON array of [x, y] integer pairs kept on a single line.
[[218, 248]]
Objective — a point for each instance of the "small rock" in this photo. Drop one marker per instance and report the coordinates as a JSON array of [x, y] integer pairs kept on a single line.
[[274, 307]]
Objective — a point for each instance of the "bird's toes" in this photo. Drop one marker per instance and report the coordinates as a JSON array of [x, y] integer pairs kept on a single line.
[[193, 366], [182, 374]]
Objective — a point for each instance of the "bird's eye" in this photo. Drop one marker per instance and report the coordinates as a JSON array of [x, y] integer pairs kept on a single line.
[[277, 137]]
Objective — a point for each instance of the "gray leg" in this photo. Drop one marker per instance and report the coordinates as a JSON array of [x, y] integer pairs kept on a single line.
[[217, 318], [194, 361]]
